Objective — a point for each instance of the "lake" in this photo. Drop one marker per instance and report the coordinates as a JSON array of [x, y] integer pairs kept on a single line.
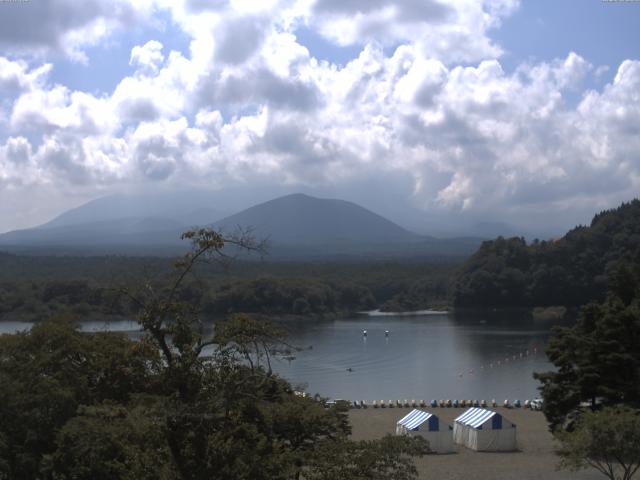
[[442, 356], [431, 356]]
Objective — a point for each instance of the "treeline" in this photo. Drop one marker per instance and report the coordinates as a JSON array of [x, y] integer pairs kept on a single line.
[[297, 296], [425, 293], [570, 271], [91, 288], [32, 301]]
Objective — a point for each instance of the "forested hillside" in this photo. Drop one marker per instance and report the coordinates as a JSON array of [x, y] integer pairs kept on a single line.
[[570, 271]]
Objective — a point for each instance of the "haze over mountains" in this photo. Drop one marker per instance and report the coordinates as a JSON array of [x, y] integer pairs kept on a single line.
[[196, 208], [303, 220], [295, 225]]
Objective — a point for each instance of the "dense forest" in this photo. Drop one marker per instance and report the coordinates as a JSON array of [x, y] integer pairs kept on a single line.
[[597, 360], [300, 296], [37, 287], [569, 271]]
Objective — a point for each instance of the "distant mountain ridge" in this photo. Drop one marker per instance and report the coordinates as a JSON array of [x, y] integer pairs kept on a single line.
[[295, 225], [192, 209]]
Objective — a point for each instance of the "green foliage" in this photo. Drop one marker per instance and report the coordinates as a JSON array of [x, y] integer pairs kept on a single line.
[[429, 292], [271, 295], [32, 288], [31, 301], [570, 271], [607, 440], [49, 372], [101, 406], [598, 359], [387, 458], [111, 442]]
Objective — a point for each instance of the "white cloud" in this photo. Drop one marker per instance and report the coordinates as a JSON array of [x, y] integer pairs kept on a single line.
[[249, 104], [157, 89], [147, 58], [16, 76], [59, 108], [450, 31], [42, 26]]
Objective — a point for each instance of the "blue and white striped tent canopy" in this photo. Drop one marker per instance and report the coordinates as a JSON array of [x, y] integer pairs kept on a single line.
[[415, 418], [476, 417]]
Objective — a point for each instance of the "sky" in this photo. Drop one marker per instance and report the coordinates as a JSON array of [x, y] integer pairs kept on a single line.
[[523, 112]]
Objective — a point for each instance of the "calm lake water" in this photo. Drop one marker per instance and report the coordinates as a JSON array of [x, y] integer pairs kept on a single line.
[[470, 355], [424, 357]]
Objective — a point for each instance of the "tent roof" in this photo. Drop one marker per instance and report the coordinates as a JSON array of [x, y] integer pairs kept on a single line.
[[414, 419], [474, 417]]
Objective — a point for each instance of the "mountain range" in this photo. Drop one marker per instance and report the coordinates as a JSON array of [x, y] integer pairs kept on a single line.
[[294, 225]]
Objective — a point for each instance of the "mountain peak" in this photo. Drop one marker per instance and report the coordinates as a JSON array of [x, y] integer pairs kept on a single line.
[[302, 219]]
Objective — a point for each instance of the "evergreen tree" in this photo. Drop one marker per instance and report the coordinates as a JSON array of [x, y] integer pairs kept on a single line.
[[598, 359], [570, 271]]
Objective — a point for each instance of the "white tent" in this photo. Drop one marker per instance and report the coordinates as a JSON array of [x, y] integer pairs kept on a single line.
[[484, 431], [427, 425]]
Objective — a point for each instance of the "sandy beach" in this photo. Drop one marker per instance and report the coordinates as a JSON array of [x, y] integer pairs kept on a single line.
[[535, 458]]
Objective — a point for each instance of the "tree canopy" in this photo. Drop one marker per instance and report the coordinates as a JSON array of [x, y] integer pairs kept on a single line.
[[177, 404], [607, 440], [571, 271], [598, 359]]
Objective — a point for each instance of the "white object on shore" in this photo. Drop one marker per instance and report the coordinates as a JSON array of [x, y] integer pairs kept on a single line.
[[484, 431], [378, 313], [536, 404], [428, 426]]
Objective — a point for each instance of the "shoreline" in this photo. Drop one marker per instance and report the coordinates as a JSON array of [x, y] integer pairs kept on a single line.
[[379, 313]]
